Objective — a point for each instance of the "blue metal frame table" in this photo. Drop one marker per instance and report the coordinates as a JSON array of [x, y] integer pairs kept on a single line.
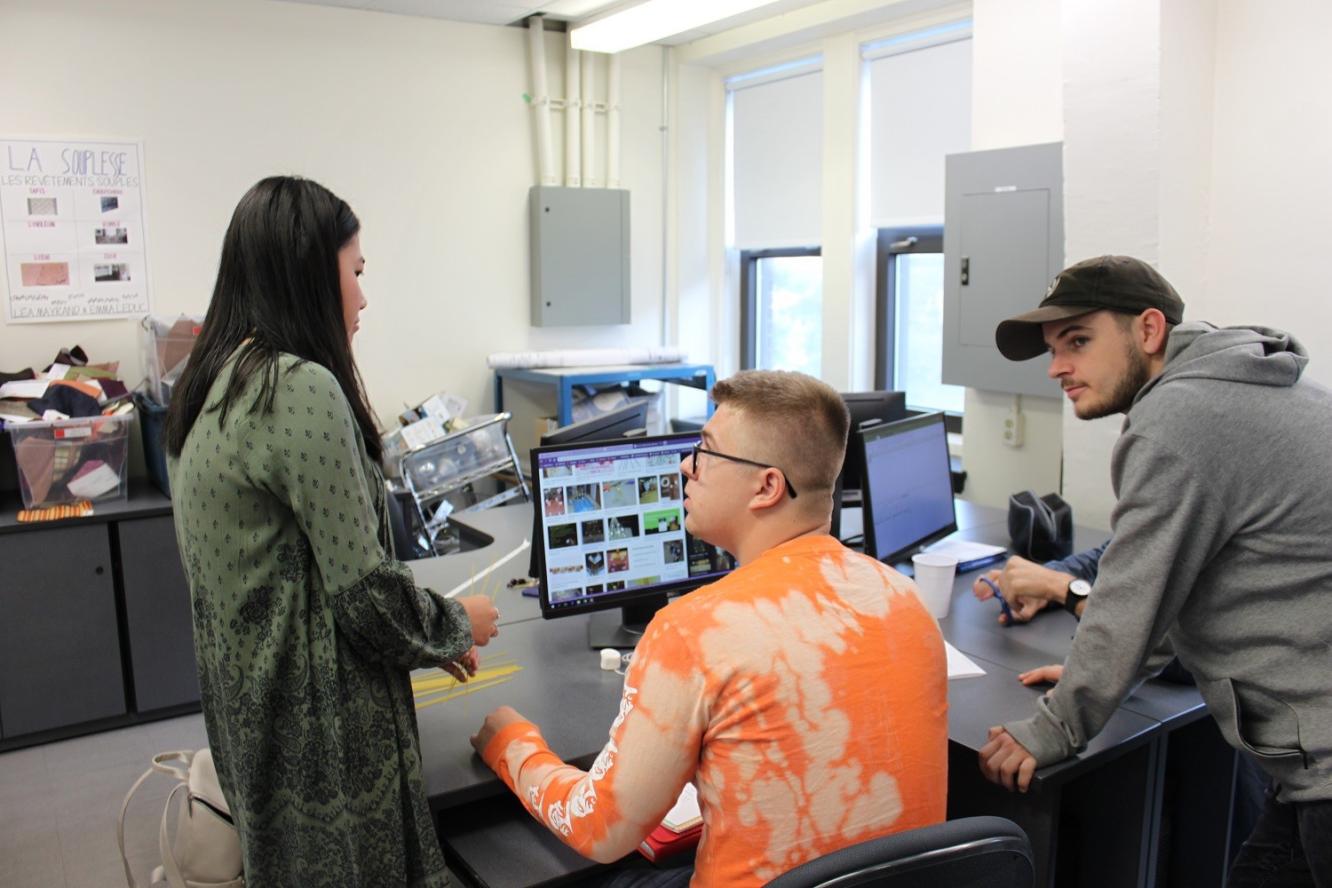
[[699, 376]]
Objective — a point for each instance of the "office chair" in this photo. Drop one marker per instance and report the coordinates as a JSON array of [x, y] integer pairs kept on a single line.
[[973, 852], [401, 511]]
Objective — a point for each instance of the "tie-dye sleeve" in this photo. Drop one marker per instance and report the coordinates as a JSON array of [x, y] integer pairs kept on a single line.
[[652, 752]]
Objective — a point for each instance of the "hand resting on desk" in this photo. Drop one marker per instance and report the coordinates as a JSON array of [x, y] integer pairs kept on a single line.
[[1042, 675], [497, 721], [1029, 587], [1006, 762]]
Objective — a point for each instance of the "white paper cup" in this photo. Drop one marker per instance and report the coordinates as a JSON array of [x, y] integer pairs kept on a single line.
[[934, 579]]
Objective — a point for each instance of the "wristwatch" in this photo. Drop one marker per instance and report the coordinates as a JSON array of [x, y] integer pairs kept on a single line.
[[1078, 590]]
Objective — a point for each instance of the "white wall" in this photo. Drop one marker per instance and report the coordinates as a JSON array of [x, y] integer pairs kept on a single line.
[[1271, 181], [1017, 99], [418, 123]]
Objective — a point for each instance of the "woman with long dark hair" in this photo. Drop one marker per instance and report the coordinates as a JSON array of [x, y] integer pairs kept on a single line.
[[305, 626]]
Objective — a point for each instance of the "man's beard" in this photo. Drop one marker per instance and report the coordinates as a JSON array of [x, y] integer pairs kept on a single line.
[[1136, 375]]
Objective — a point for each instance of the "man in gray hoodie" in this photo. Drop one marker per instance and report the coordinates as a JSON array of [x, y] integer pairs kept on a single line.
[[1222, 546]]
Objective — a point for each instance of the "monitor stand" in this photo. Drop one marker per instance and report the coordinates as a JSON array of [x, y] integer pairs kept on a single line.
[[622, 629]]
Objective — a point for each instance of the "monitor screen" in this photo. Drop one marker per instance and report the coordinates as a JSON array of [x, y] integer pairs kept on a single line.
[[612, 525], [622, 422], [618, 423], [908, 493], [866, 409]]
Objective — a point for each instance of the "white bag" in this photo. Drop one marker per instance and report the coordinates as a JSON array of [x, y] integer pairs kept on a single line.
[[206, 852]]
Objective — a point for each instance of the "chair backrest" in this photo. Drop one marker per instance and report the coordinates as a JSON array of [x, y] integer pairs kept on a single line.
[[401, 512], [973, 852]]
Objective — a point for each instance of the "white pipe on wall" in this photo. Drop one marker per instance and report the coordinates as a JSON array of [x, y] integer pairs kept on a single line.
[[589, 122], [536, 46], [572, 106], [613, 121]]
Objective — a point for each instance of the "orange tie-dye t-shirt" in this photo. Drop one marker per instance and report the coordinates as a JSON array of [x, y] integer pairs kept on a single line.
[[805, 695]]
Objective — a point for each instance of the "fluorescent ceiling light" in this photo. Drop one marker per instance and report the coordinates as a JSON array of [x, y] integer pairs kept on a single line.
[[653, 20]]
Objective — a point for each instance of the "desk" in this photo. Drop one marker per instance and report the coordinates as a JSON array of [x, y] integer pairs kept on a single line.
[[1094, 819], [699, 376]]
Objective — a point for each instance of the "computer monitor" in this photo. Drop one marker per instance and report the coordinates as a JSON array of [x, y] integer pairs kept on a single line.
[[867, 409], [618, 423], [622, 422], [908, 494], [612, 533]]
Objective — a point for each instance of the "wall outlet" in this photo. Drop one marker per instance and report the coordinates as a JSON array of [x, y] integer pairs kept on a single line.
[[1013, 428]]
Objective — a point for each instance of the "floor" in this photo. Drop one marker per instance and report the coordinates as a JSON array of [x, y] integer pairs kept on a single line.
[[59, 803]]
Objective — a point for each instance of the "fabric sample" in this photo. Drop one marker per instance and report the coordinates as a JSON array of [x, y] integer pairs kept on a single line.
[[6, 376], [44, 274], [36, 462], [67, 399]]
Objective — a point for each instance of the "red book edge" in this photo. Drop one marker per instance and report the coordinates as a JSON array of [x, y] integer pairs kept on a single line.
[[664, 842]]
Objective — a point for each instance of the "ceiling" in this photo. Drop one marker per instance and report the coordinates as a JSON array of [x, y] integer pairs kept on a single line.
[[506, 12]]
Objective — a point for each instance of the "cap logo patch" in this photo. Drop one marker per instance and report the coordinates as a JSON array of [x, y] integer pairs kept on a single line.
[[1054, 283]]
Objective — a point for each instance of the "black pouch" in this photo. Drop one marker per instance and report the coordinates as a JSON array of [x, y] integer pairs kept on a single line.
[[1040, 527]]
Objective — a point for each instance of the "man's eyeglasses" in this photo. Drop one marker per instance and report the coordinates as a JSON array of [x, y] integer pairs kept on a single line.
[[698, 448]]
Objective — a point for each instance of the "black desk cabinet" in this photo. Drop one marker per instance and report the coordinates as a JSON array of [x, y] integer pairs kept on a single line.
[[59, 648], [157, 614], [95, 628]]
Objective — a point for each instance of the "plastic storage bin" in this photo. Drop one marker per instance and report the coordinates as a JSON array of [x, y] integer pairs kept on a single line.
[[463, 456], [72, 459], [165, 344]]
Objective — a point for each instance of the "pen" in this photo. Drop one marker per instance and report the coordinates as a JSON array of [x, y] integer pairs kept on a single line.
[[994, 587]]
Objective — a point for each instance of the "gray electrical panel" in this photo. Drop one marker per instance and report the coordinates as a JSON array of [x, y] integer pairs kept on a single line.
[[1003, 243], [580, 256]]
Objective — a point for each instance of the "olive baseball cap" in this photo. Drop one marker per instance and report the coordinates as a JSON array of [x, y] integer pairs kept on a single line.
[[1114, 283]]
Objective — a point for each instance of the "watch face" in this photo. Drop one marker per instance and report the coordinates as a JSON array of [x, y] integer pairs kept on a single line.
[[1080, 588]]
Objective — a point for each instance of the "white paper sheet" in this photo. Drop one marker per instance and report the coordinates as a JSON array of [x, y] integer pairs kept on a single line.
[[685, 813], [24, 388], [960, 665]]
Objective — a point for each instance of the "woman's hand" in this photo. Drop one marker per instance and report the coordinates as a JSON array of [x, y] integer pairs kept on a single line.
[[465, 666], [483, 615]]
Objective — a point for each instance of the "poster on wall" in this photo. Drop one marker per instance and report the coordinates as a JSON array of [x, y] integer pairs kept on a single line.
[[71, 213]]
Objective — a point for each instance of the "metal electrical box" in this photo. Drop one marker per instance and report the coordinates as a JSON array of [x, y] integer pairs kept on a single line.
[[580, 256], [1003, 244]]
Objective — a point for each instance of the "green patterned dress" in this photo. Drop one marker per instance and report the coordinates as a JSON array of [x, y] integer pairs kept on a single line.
[[305, 628]]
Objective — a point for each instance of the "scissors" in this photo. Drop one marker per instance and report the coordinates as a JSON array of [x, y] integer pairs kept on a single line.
[[994, 587]]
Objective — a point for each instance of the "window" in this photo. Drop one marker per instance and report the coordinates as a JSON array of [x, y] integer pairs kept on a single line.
[[909, 342], [919, 104], [774, 167], [781, 310]]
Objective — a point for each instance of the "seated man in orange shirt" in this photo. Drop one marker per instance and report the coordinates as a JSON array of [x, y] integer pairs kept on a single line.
[[805, 694]]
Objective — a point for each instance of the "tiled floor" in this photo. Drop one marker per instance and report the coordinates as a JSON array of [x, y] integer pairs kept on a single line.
[[59, 803]]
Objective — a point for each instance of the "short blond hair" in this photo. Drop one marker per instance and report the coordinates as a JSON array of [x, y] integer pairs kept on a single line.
[[800, 423]]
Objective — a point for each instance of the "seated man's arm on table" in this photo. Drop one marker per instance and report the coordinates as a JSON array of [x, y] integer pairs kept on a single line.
[[653, 751], [1167, 525]]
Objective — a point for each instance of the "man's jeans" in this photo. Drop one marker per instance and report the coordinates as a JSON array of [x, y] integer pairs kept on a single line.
[[1290, 846]]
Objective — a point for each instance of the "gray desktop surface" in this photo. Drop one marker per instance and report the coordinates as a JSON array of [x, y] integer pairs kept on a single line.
[[561, 688]]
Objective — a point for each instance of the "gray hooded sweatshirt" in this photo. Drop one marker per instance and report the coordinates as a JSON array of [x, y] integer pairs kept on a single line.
[[1222, 553]]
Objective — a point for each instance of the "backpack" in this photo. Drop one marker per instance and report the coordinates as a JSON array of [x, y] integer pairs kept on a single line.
[[206, 851]]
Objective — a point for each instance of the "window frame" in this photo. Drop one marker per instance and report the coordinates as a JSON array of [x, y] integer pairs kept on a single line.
[[891, 243], [749, 260]]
